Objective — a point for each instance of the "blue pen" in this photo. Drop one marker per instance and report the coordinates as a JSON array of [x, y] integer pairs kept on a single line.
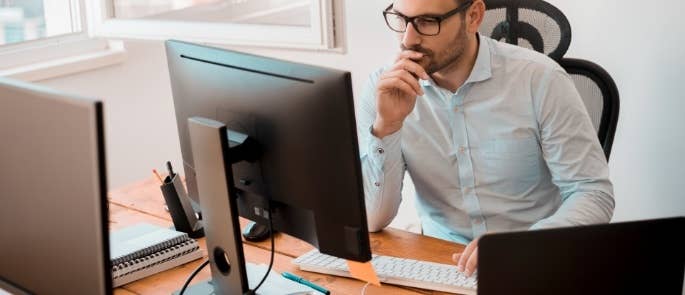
[[302, 281]]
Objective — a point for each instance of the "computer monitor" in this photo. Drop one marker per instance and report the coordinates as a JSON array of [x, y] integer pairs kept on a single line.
[[53, 218], [302, 119]]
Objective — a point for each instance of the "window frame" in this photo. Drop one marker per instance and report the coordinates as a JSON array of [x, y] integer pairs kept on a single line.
[[319, 36], [50, 57], [78, 12]]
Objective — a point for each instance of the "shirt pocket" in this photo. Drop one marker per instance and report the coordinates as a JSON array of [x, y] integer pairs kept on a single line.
[[512, 162]]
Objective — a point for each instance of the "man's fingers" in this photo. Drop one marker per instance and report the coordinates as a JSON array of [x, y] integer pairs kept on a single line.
[[396, 83], [472, 263], [455, 257], [406, 77], [408, 54], [466, 255], [412, 67]]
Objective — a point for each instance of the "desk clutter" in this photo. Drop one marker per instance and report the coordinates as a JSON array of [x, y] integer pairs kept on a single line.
[[144, 249]]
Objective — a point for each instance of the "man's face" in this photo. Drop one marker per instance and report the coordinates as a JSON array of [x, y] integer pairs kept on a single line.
[[440, 50]]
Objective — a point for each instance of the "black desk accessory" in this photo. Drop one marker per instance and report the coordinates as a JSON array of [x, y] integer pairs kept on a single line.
[[256, 232], [180, 208]]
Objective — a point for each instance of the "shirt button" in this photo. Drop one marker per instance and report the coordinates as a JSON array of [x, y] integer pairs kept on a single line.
[[380, 150], [478, 221], [377, 183], [456, 109], [462, 149]]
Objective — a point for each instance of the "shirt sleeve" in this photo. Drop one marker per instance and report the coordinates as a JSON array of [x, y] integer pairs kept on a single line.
[[573, 154], [382, 163]]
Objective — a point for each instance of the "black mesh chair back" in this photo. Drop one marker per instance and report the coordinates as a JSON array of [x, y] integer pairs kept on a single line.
[[538, 25], [600, 95], [533, 24]]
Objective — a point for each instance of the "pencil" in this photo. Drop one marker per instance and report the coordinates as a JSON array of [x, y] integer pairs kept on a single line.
[[154, 171]]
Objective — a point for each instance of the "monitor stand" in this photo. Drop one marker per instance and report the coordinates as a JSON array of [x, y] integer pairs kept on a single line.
[[208, 286], [215, 149]]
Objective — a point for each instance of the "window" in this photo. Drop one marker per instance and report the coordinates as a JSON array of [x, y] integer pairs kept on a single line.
[[27, 20], [280, 23], [264, 12], [42, 39]]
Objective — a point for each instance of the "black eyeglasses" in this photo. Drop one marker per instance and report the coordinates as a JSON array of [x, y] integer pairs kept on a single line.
[[424, 24]]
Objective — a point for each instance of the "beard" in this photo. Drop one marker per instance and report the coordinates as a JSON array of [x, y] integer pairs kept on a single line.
[[452, 53]]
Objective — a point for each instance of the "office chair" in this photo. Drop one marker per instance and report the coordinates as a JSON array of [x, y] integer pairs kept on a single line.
[[600, 95], [533, 24], [538, 25]]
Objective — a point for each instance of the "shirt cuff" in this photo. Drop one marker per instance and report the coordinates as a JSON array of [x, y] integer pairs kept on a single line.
[[378, 149]]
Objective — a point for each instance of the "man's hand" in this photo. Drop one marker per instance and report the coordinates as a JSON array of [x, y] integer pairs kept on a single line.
[[396, 93], [467, 261]]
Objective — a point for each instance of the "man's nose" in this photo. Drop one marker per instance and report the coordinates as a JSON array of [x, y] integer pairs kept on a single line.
[[411, 37]]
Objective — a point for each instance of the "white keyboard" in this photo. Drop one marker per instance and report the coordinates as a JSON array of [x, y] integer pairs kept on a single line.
[[396, 271]]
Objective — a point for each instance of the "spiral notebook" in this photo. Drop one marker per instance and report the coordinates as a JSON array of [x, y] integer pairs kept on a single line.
[[145, 249]]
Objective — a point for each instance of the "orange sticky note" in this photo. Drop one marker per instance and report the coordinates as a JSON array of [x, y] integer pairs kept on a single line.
[[363, 271]]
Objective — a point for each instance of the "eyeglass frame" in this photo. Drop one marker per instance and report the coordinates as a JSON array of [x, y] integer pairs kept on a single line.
[[438, 18]]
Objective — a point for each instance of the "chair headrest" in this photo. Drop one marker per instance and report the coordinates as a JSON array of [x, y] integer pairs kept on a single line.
[[534, 24]]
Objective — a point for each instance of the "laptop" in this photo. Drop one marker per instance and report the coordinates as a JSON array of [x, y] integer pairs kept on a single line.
[[637, 257]]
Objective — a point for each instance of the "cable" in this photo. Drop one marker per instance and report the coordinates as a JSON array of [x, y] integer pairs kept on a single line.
[[192, 275], [254, 291], [364, 289], [271, 262]]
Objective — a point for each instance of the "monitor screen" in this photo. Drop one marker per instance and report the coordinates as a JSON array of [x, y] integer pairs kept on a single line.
[[53, 218], [302, 117]]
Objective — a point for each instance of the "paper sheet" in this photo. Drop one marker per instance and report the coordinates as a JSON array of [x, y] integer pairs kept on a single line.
[[363, 271], [275, 283]]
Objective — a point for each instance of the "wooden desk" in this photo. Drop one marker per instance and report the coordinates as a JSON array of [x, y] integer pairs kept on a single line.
[[143, 201]]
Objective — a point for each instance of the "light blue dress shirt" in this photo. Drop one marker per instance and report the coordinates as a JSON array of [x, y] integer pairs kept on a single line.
[[512, 149]]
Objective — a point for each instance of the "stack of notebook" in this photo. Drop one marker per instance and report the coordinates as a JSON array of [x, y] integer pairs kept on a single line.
[[145, 249]]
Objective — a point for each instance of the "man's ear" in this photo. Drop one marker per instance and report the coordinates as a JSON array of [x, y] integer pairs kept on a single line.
[[474, 16]]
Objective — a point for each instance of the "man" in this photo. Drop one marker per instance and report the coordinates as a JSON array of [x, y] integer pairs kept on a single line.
[[495, 137]]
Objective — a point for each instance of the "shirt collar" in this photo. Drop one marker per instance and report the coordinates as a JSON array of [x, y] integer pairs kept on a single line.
[[482, 69]]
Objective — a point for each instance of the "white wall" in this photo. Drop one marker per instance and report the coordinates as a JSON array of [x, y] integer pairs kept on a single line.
[[140, 128], [638, 44], [642, 46]]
